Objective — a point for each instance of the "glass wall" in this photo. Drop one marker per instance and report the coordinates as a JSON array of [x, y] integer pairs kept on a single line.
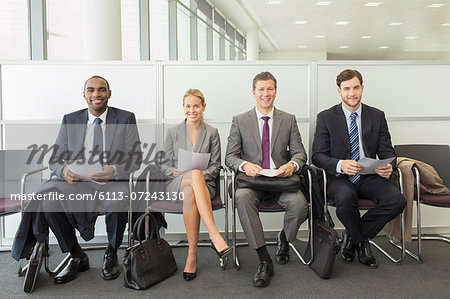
[[14, 30], [199, 28]]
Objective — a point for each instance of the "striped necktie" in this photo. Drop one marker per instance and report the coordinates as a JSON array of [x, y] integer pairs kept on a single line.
[[354, 145]]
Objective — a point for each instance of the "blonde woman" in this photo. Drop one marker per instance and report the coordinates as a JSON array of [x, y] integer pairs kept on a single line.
[[198, 187]]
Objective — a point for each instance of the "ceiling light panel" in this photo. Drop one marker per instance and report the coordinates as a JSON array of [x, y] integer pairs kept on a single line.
[[411, 37], [366, 36], [395, 24], [341, 23], [323, 3], [274, 2], [301, 22], [320, 36], [436, 5], [372, 4]]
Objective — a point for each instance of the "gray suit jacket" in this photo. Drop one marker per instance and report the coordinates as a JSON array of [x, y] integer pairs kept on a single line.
[[208, 141], [244, 141]]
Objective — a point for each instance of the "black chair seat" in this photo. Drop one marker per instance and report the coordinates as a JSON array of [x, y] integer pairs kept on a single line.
[[435, 200]]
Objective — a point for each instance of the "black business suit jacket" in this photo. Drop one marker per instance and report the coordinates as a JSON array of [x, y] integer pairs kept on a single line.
[[332, 140], [121, 136]]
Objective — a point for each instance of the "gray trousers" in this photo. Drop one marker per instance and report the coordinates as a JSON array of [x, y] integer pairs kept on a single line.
[[247, 201]]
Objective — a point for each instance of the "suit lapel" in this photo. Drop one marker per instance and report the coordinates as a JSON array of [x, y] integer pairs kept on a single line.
[[276, 125], [366, 120], [110, 128], [200, 137], [342, 124], [80, 130], [252, 124]]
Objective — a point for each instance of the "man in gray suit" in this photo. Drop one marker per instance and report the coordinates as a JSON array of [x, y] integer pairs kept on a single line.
[[267, 138], [102, 134]]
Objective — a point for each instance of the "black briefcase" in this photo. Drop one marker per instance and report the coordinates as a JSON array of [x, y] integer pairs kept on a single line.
[[326, 246]]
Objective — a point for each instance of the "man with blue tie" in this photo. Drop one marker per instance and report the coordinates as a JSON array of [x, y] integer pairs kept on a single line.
[[346, 133], [267, 138], [99, 134]]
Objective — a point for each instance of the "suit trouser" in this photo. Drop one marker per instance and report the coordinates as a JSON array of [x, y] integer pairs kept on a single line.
[[65, 218], [345, 195], [247, 201]]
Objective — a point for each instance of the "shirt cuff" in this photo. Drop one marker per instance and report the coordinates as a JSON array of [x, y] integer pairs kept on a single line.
[[296, 165], [338, 166], [242, 164]]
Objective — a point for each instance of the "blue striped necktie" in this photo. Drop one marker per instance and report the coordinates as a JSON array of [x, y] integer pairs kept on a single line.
[[97, 146], [354, 145]]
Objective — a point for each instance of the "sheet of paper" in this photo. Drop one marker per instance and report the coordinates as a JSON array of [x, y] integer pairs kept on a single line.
[[190, 160], [370, 164], [268, 172], [84, 169]]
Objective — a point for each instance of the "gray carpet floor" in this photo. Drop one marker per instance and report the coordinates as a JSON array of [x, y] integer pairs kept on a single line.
[[408, 280]]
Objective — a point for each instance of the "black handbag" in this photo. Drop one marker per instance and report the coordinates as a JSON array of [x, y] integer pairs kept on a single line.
[[326, 246], [264, 183], [151, 260]]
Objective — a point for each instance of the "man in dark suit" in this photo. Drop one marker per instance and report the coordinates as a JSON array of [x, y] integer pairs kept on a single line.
[[98, 134], [345, 133], [266, 138]]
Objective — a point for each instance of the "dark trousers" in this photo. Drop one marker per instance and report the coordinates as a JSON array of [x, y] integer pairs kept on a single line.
[[345, 195], [63, 217]]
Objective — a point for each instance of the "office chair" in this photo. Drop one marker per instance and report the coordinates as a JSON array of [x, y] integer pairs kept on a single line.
[[176, 207], [366, 204], [274, 208], [40, 253], [438, 156]]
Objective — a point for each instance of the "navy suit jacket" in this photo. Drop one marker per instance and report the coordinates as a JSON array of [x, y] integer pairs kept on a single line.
[[332, 140]]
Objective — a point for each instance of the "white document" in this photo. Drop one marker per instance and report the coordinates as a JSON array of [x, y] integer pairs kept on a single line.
[[85, 170], [370, 164], [268, 172], [190, 160]]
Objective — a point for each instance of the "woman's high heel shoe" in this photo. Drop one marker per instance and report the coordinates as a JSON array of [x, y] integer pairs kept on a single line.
[[189, 276], [224, 253]]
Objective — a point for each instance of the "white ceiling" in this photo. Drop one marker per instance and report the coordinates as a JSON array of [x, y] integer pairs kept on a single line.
[[420, 34]]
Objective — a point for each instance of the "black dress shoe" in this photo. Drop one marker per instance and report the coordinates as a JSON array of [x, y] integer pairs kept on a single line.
[[347, 252], [263, 274], [282, 254], [189, 276], [73, 268], [365, 255], [111, 268], [224, 253]]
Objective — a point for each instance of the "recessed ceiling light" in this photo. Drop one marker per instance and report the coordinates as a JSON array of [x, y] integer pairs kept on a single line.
[[411, 37], [395, 24], [372, 4], [301, 22], [303, 47], [435, 5], [341, 23], [343, 47], [323, 3], [445, 24], [274, 2], [319, 36], [384, 47], [366, 36]]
